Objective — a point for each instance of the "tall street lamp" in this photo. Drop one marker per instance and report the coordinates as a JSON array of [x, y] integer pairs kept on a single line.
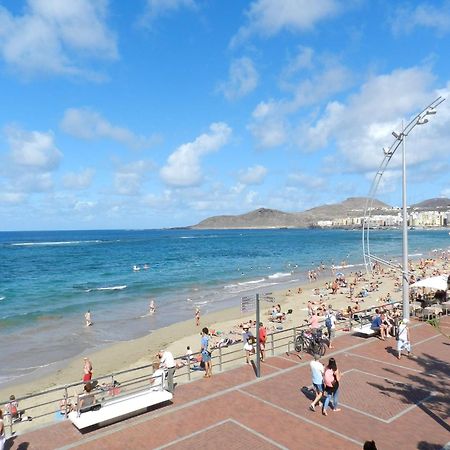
[[400, 139]]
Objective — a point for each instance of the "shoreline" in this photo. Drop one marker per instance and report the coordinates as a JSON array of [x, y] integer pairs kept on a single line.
[[140, 351]]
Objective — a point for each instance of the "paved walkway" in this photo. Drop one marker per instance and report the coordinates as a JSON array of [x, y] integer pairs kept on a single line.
[[400, 404]]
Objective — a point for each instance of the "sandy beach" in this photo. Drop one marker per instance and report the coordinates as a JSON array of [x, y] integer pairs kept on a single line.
[[177, 337]]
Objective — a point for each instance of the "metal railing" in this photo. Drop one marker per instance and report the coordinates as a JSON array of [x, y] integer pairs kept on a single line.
[[44, 406]]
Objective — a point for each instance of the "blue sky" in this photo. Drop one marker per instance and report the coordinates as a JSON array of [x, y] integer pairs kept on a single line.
[[160, 113]]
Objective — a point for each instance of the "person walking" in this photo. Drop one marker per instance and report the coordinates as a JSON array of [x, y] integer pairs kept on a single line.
[[330, 323], [247, 339], [167, 362], [331, 379], [262, 340], [317, 371], [206, 354], [152, 307], [88, 318], [403, 342]]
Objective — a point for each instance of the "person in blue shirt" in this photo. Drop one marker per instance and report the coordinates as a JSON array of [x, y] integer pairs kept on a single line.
[[206, 354], [377, 325]]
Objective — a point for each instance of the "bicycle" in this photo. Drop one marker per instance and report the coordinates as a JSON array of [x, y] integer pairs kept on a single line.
[[310, 342]]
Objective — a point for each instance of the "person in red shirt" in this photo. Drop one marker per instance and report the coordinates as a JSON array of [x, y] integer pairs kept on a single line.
[[262, 340]]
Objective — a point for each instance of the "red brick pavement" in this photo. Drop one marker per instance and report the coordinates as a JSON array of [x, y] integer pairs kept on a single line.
[[400, 404]]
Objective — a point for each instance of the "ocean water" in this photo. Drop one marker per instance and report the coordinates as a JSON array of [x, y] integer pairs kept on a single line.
[[48, 280]]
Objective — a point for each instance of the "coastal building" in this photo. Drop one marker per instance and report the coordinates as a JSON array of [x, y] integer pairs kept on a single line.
[[392, 218]]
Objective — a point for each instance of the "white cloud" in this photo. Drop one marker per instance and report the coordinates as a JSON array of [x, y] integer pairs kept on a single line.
[[28, 164], [85, 206], [183, 167], [243, 79], [407, 17], [78, 180], [270, 120], [12, 198], [158, 8], [128, 178], [251, 197], [253, 175], [87, 124], [33, 149], [33, 182], [56, 37], [304, 59], [363, 125], [269, 17], [306, 181], [269, 133]]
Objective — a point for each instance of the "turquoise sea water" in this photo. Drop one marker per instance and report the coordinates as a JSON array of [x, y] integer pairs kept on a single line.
[[48, 280]]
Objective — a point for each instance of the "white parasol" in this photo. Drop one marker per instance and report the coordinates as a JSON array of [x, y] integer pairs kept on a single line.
[[438, 283]]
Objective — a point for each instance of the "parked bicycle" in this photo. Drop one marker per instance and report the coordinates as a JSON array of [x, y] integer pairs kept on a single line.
[[311, 342]]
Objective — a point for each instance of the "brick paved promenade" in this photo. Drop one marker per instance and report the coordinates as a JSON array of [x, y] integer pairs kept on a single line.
[[400, 404]]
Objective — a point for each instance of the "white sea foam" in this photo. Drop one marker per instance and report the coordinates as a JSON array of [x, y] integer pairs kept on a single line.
[[346, 266], [108, 288], [244, 283], [27, 244], [280, 275], [23, 369], [2, 298]]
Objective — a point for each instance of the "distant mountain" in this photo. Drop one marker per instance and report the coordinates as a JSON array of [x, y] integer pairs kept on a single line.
[[352, 207], [260, 218], [272, 218], [433, 204]]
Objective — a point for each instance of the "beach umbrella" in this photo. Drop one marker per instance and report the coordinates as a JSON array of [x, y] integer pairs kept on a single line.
[[439, 283], [340, 274]]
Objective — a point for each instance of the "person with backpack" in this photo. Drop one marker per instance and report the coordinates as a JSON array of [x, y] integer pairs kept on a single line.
[[330, 323]]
